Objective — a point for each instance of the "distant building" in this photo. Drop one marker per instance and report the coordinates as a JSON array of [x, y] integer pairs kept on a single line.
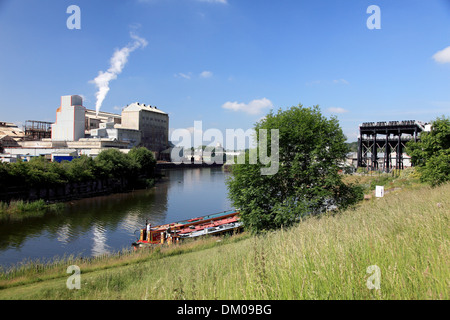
[[111, 131], [7, 158], [153, 125], [70, 119], [83, 131], [93, 120], [37, 130], [84, 146], [10, 135]]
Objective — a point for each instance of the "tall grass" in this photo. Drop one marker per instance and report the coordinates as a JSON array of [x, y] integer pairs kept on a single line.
[[20, 209], [405, 234], [407, 178]]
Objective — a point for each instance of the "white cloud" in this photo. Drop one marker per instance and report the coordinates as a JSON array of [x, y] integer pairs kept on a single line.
[[340, 81], [183, 75], [253, 107], [206, 74], [336, 110], [442, 56]]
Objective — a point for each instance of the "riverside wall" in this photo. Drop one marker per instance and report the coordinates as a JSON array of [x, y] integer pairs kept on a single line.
[[66, 192]]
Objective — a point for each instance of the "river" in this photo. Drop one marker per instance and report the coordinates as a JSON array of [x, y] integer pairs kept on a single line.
[[106, 224]]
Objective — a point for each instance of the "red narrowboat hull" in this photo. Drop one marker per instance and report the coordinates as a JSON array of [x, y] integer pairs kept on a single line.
[[218, 223]]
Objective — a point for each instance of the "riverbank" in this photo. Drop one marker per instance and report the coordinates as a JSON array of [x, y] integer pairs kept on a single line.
[[22, 209], [403, 235], [54, 198], [17, 210]]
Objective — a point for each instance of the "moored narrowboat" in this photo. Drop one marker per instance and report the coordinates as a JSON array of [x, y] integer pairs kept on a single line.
[[213, 224]]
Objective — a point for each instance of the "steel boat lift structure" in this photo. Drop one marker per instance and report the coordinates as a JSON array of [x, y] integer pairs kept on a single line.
[[381, 145], [214, 224]]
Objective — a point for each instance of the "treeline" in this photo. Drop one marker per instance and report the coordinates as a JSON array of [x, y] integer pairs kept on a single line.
[[137, 168], [352, 146], [431, 154]]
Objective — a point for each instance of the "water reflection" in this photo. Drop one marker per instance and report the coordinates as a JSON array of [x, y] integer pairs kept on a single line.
[[99, 245], [94, 226], [63, 235]]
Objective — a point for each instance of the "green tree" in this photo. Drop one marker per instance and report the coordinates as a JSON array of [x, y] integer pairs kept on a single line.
[[116, 164], [80, 169], [311, 151], [431, 154], [145, 160], [42, 172]]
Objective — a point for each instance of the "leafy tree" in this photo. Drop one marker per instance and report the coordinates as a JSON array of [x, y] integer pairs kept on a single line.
[[114, 163], [144, 159], [431, 154], [311, 151], [42, 172], [80, 169]]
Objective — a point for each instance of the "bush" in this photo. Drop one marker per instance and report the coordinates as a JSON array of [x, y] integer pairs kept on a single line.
[[431, 154]]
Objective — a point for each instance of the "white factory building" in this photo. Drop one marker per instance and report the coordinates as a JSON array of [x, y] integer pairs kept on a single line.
[[70, 119], [84, 131]]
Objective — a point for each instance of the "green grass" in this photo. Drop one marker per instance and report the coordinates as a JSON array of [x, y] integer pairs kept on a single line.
[[19, 209], [405, 234], [407, 178]]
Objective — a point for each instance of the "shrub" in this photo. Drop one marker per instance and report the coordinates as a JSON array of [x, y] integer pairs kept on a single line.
[[431, 154]]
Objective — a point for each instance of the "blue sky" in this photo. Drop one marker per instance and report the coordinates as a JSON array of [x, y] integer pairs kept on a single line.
[[228, 62]]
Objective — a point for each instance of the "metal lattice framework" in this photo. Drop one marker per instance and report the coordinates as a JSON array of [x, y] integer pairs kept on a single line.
[[37, 130], [381, 142]]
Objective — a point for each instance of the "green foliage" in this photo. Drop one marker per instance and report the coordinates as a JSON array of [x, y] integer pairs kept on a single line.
[[110, 163], [352, 146], [431, 154], [144, 159], [113, 163], [311, 149], [80, 169], [44, 173]]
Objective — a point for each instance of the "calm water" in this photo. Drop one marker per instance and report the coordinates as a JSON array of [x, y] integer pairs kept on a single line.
[[107, 224]]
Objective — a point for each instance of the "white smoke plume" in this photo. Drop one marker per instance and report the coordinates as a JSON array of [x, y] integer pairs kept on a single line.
[[117, 62]]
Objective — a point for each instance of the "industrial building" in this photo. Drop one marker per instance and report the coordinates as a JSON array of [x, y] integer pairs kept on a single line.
[[381, 145], [152, 123], [93, 119], [78, 131], [37, 130], [10, 135], [108, 130], [70, 119]]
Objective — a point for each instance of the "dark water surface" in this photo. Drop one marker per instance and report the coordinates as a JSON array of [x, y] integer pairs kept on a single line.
[[106, 224]]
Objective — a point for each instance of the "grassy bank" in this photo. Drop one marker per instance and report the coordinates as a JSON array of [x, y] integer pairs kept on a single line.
[[405, 234], [407, 178], [16, 210]]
